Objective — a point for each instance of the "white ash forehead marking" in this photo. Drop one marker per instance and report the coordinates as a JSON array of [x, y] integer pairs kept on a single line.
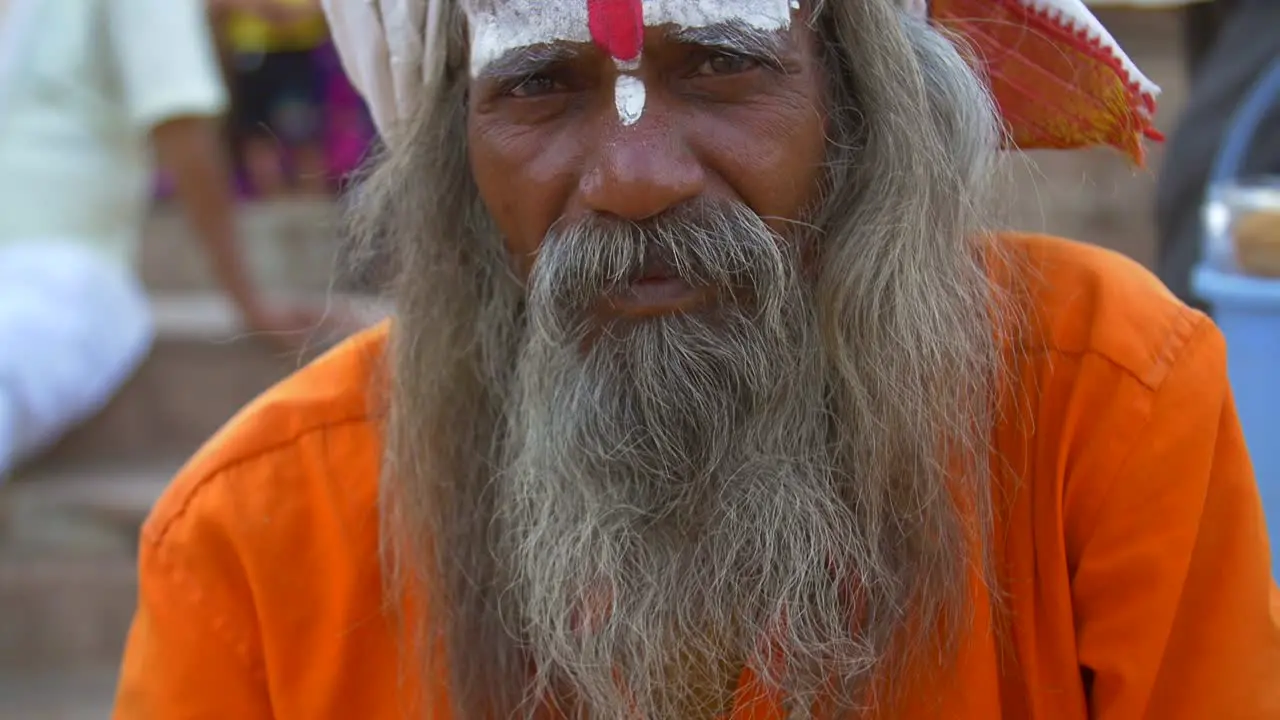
[[629, 97], [500, 26], [761, 14]]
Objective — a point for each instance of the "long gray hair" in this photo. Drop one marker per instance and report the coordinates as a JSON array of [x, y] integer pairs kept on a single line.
[[799, 488]]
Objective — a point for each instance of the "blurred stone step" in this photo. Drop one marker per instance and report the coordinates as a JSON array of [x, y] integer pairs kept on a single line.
[[291, 246], [202, 370], [90, 511], [86, 694], [68, 576], [63, 613]]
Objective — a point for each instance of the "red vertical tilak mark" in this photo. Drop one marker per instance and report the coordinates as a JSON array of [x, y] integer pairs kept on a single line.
[[617, 26]]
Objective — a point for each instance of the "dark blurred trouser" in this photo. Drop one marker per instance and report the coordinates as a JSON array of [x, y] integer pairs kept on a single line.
[[279, 95]]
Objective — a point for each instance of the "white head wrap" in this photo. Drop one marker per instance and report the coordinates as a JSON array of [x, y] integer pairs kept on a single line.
[[393, 51]]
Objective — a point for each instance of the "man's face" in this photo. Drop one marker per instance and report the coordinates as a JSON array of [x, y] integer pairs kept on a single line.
[[640, 514], [720, 109]]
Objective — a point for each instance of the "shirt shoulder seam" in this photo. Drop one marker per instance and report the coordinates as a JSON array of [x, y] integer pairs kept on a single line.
[[1180, 354], [1184, 328], [156, 535]]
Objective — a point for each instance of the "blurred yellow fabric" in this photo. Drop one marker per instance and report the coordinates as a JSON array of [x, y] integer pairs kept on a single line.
[[247, 32]]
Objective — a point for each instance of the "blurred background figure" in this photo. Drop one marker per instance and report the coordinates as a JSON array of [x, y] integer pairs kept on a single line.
[[90, 92], [279, 93], [1229, 44]]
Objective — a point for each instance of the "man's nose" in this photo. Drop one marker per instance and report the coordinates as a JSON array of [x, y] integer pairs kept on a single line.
[[639, 171]]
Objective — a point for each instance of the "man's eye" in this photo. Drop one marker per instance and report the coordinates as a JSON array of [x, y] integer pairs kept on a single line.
[[727, 64], [533, 86]]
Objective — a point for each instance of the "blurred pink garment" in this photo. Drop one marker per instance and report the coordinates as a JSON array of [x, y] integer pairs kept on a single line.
[[350, 130]]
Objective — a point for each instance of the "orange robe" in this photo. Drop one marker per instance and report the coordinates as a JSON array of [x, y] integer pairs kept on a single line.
[[1132, 549]]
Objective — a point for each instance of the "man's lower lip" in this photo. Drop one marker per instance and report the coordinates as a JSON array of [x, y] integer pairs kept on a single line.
[[657, 295]]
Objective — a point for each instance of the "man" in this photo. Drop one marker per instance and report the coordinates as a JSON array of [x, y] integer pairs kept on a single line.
[[89, 90], [710, 394], [1240, 45]]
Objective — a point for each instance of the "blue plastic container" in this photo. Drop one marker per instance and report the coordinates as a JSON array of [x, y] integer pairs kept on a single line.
[[1247, 309]]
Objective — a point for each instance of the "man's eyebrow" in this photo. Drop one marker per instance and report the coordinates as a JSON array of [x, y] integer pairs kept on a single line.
[[737, 38], [523, 62]]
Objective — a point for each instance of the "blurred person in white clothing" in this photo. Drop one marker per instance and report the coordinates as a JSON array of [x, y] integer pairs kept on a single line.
[[91, 91]]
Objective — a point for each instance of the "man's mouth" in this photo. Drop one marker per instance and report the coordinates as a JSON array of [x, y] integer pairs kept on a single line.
[[655, 290]]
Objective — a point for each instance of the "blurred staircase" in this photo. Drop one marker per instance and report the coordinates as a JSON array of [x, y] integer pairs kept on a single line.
[[69, 522]]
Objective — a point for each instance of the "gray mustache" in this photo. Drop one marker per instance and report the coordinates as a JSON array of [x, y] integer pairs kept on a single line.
[[719, 244]]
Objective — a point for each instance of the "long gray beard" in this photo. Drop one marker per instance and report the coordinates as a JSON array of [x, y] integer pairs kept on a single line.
[[669, 511]]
